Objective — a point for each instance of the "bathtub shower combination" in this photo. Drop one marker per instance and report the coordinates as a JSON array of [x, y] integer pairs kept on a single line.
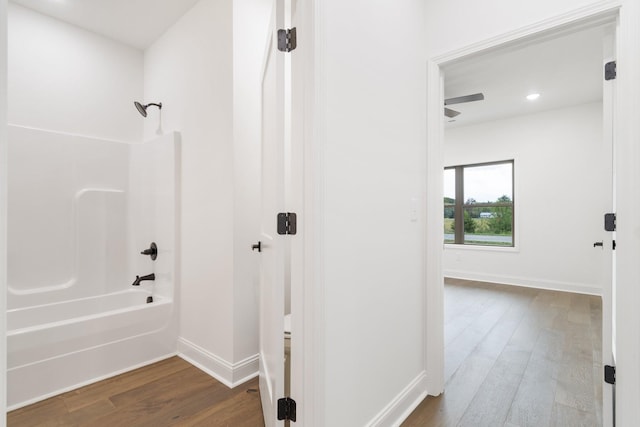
[[88, 295]]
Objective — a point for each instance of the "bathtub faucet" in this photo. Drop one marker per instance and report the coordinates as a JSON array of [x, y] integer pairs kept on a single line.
[[141, 278]]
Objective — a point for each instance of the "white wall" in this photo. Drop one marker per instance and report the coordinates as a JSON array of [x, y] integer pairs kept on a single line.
[[66, 79], [372, 85], [465, 23], [3, 209], [250, 25], [206, 71], [562, 186], [190, 70]]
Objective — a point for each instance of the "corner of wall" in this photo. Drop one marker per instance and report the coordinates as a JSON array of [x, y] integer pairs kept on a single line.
[[250, 24], [189, 69], [230, 374], [403, 404], [86, 88]]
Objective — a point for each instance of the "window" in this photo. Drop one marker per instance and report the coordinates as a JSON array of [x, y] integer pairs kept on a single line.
[[478, 204]]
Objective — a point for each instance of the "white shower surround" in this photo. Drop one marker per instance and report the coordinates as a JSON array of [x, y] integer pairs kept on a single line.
[[80, 211]]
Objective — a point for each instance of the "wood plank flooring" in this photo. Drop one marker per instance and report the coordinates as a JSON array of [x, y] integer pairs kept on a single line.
[[168, 393], [517, 357]]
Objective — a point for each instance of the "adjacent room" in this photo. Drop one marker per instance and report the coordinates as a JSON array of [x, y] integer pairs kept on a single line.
[[121, 129], [527, 181]]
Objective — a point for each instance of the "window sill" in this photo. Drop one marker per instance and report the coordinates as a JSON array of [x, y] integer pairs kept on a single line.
[[481, 248]]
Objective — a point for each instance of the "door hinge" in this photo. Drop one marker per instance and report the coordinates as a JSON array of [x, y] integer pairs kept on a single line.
[[613, 245], [287, 40], [287, 409], [287, 223], [610, 70], [609, 374], [610, 222]]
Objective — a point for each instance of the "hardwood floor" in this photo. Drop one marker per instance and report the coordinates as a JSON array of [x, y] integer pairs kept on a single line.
[[517, 357], [168, 393]]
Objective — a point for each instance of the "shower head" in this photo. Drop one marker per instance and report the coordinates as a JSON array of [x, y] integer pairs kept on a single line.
[[142, 109]]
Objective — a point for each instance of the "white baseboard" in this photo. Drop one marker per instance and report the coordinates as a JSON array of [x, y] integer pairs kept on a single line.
[[403, 404], [230, 374], [551, 285]]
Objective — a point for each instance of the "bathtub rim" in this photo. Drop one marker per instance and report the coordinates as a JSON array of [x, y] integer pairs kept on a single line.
[[157, 299]]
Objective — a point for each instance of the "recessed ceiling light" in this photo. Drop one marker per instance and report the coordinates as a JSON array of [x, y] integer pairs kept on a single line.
[[533, 96]]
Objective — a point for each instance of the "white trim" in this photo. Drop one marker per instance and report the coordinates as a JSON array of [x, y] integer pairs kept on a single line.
[[229, 374], [307, 376], [525, 282], [591, 15], [312, 412], [481, 248], [3, 210], [302, 374], [594, 14], [433, 300], [403, 404], [627, 135]]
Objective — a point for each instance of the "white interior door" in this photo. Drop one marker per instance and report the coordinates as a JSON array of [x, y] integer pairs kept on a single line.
[[272, 257]]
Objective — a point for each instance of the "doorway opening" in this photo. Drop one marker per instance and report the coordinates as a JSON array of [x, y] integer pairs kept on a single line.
[[560, 139]]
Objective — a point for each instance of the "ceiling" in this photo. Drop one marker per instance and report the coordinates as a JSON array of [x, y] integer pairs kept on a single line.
[[137, 23], [565, 71]]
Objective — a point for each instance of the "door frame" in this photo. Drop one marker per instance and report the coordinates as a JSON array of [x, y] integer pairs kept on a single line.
[[305, 199], [3, 210], [434, 296], [307, 296]]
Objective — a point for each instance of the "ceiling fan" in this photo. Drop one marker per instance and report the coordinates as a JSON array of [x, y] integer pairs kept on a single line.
[[459, 100]]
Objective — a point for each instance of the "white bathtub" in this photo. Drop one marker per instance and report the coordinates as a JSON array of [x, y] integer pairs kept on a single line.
[[89, 206], [57, 347]]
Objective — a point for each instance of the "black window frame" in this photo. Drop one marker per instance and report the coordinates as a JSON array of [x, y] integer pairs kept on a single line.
[[459, 206]]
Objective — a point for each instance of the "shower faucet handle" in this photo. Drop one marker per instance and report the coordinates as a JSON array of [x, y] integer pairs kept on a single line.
[[152, 251]]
